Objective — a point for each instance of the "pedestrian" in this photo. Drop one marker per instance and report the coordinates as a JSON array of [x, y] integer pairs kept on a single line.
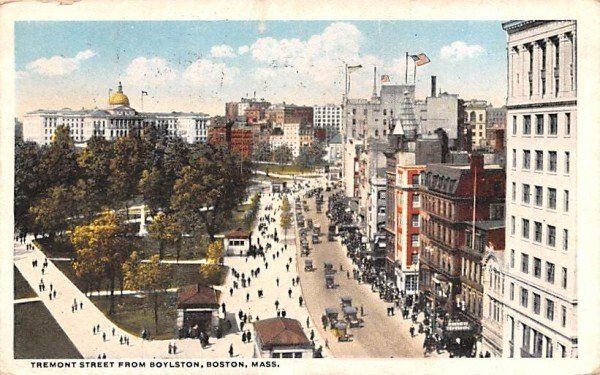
[[362, 310], [170, 348], [80, 306], [326, 343], [230, 292], [312, 334], [249, 336], [290, 260], [247, 297], [278, 313], [277, 281], [51, 287], [283, 313], [300, 300], [54, 293], [242, 326], [348, 274], [50, 295], [174, 348], [290, 292], [276, 304], [223, 307], [113, 331], [42, 271], [412, 331], [244, 337], [94, 330], [266, 265], [103, 336], [127, 340], [298, 280], [307, 322], [231, 350], [72, 309], [121, 340]]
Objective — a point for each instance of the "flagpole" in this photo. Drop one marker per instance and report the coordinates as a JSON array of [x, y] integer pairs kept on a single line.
[[406, 71], [142, 97], [415, 75]]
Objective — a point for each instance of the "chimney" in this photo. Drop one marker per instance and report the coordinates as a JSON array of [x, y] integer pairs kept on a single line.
[[476, 162], [433, 85]]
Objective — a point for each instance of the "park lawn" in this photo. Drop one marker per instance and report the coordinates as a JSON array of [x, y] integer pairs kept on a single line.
[[57, 247], [283, 169], [183, 274], [133, 313], [22, 289], [38, 335]]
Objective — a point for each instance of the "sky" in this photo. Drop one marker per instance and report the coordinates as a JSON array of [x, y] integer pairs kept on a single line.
[[198, 66]]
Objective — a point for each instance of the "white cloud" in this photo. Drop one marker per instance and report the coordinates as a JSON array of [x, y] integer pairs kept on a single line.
[[154, 69], [222, 50], [459, 50], [243, 50], [59, 65], [206, 73]]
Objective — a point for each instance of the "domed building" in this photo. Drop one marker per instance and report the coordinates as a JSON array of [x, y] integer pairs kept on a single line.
[[118, 98]]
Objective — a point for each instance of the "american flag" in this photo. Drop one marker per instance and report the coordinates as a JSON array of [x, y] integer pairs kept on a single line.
[[385, 78], [420, 59]]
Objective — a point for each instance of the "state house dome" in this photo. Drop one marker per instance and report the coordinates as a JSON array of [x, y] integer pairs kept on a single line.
[[118, 98]]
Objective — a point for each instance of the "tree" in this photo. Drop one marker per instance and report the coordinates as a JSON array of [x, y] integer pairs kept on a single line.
[[165, 230], [58, 165], [282, 155], [155, 188], [101, 248], [285, 221], [53, 213], [28, 184], [126, 169], [92, 188], [262, 152], [285, 205], [210, 187], [210, 271], [152, 277], [311, 156]]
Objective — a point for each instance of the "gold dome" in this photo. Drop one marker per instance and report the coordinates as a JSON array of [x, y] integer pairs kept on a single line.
[[118, 98]]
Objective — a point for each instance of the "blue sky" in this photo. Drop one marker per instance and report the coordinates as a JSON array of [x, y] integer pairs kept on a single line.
[[197, 66]]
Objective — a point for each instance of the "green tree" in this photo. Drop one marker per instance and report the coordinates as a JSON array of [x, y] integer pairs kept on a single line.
[[152, 278], [28, 184], [53, 213], [210, 188], [92, 188], [282, 155], [126, 169], [58, 165], [155, 188], [164, 229], [285, 204], [210, 271], [262, 152], [101, 248]]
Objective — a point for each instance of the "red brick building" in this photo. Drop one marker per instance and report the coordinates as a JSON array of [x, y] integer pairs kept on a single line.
[[447, 193], [238, 140]]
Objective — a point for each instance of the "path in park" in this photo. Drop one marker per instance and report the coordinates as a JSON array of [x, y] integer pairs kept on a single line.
[[78, 325]]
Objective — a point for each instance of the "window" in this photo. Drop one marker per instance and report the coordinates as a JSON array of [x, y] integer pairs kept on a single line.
[[525, 228], [537, 231], [563, 282], [514, 158], [567, 124], [415, 179], [565, 239], [536, 303], [552, 161], [524, 297], [414, 258], [512, 225], [539, 160], [514, 125], [415, 220], [526, 159], [549, 309], [539, 196], [551, 235], [414, 239], [527, 125], [376, 133], [524, 263], [539, 124], [514, 191], [512, 258], [563, 319], [526, 193], [416, 200], [552, 198], [512, 291], [550, 272], [537, 267], [566, 201], [553, 124], [567, 162]]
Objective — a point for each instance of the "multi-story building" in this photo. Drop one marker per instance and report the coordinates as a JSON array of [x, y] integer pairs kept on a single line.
[[475, 119], [238, 140], [116, 121], [453, 196], [541, 238], [328, 117], [493, 297], [293, 135]]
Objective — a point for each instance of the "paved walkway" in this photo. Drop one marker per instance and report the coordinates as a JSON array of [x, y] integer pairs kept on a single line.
[[78, 325]]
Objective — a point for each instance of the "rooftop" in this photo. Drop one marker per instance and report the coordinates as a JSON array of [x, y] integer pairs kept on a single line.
[[197, 295], [278, 332]]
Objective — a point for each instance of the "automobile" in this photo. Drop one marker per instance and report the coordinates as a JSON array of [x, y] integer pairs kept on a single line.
[[315, 238], [308, 265], [330, 237], [317, 229], [329, 282], [331, 313], [328, 267], [345, 301], [309, 223], [340, 330], [351, 316]]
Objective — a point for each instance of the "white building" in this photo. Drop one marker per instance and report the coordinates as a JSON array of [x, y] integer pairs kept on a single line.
[[541, 199], [493, 297], [475, 118], [116, 121], [329, 117], [288, 136]]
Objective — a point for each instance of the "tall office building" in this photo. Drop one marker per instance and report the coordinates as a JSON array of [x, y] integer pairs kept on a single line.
[[541, 199]]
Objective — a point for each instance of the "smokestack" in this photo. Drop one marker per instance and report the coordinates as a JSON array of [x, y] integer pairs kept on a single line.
[[433, 85]]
